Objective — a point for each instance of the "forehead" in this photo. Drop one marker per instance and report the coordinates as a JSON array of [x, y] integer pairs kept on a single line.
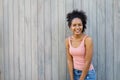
[[76, 20]]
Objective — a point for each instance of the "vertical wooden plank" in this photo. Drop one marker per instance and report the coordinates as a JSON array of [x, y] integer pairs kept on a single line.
[[68, 8], [109, 40], [22, 40], [1, 42], [116, 39], [28, 39], [101, 39], [41, 40], [93, 31], [89, 16], [77, 4], [16, 40], [61, 39], [6, 40], [85, 8], [34, 39], [54, 25], [11, 54], [48, 54]]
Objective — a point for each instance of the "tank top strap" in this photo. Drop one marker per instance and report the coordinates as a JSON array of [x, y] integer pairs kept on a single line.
[[85, 37], [69, 38]]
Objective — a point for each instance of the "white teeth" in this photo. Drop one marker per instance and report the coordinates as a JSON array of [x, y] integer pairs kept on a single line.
[[77, 30]]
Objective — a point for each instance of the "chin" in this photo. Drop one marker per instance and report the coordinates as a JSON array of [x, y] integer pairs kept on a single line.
[[78, 33]]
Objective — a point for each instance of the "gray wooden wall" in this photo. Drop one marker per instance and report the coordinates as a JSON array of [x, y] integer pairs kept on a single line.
[[32, 35]]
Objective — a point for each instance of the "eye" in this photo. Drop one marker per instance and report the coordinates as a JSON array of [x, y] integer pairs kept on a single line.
[[79, 24], [74, 25]]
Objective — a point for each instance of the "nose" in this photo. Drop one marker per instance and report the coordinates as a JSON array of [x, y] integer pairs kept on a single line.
[[77, 26]]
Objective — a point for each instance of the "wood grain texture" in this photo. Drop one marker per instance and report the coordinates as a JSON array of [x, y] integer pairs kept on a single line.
[[1, 42], [48, 37], [109, 40], [55, 46], [93, 31], [68, 8], [11, 54], [28, 49], [77, 4], [22, 61], [6, 40], [101, 39], [34, 28], [116, 39], [41, 41], [16, 39], [61, 39], [85, 8]]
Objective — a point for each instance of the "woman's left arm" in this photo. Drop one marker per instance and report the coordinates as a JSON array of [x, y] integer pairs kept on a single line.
[[88, 56]]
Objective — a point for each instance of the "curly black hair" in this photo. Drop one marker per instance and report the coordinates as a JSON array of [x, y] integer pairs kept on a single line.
[[77, 14]]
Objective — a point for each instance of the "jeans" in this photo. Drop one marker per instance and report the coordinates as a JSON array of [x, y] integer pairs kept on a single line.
[[91, 75]]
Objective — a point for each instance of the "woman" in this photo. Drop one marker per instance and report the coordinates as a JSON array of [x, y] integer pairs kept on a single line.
[[79, 48]]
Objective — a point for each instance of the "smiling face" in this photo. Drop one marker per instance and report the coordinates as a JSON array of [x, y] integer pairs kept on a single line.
[[76, 26]]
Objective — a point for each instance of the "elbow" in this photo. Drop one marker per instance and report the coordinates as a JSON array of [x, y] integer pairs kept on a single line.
[[69, 61], [87, 63]]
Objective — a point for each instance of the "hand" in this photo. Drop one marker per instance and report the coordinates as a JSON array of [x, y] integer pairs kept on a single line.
[[81, 78]]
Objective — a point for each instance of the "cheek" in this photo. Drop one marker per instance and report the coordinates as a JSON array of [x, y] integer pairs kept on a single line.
[[72, 28], [81, 27]]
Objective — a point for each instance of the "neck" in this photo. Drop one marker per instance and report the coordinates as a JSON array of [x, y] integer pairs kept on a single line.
[[78, 36]]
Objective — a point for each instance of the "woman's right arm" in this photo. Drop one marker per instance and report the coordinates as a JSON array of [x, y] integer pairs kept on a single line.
[[69, 60]]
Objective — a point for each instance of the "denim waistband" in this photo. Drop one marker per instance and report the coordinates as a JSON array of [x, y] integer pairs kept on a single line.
[[91, 75]]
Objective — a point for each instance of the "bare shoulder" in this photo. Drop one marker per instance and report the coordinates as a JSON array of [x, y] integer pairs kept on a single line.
[[88, 40], [67, 41]]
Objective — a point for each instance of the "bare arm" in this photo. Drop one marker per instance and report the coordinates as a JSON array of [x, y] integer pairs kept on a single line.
[[69, 60], [88, 57]]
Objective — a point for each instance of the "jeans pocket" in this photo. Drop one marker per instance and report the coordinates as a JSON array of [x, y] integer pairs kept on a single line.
[[91, 75], [77, 72]]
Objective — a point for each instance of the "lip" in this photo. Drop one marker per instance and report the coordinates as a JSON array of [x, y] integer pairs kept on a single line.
[[77, 32]]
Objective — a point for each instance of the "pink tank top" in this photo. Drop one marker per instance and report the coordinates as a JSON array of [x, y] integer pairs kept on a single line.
[[78, 55]]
